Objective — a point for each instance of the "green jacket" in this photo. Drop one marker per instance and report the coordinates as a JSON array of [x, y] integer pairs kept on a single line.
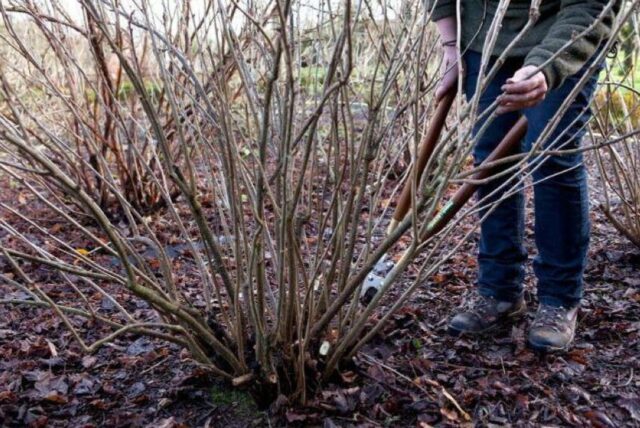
[[559, 20]]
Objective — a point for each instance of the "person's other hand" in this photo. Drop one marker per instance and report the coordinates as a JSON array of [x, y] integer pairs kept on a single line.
[[523, 90], [450, 68]]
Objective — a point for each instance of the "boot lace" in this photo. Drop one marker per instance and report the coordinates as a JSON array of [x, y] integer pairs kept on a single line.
[[480, 305], [551, 317]]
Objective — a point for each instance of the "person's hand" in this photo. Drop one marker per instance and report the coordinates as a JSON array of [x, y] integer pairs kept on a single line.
[[522, 91], [450, 68]]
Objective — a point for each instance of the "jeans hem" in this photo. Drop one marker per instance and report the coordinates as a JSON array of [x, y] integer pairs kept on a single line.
[[557, 301], [511, 297]]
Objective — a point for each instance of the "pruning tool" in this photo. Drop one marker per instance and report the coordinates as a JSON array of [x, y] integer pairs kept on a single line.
[[383, 268]]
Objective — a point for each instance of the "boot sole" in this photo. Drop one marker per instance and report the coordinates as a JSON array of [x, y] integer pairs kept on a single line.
[[545, 349], [507, 322]]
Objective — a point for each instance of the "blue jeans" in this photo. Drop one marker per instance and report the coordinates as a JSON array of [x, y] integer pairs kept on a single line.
[[560, 192]]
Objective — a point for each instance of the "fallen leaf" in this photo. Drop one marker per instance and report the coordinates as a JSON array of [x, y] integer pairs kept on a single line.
[[88, 361], [599, 419], [8, 397], [56, 397], [52, 348], [631, 405]]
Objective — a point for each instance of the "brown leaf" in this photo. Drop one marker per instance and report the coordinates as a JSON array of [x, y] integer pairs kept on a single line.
[[99, 404], [8, 397], [88, 361], [599, 419], [348, 376], [439, 278], [56, 397], [56, 228]]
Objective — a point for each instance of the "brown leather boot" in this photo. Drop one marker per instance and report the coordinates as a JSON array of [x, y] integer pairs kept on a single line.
[[484, 314], [553, 329]]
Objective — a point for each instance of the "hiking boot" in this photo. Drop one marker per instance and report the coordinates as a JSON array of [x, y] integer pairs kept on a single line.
[[484, 314], [553, 328]]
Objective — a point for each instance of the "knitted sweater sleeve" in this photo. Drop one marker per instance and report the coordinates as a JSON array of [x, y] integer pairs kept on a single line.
[[441, 8], [575, 17]]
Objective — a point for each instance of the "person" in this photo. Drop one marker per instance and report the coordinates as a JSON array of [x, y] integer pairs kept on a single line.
[[540, 71]]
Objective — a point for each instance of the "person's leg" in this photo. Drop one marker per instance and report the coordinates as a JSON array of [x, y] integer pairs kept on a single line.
[[501, 253], [561, 196], [561, 215]]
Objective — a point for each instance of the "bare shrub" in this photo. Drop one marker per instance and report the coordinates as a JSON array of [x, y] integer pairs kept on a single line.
[[276, 143], [75, 100]]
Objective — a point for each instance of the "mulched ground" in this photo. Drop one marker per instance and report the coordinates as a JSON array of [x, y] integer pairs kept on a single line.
[[411, 375]]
